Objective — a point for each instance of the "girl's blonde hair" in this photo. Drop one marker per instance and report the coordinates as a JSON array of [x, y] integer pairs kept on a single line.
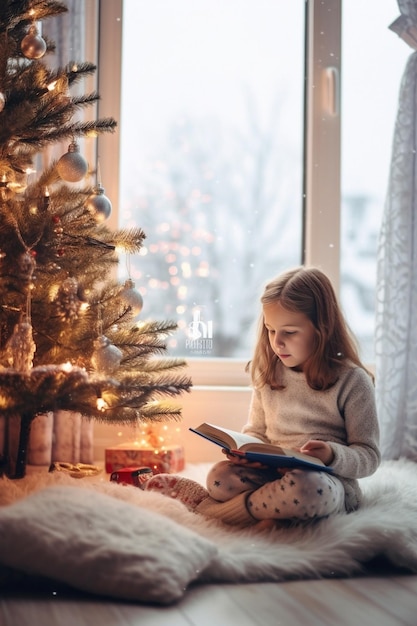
[[308, 291]]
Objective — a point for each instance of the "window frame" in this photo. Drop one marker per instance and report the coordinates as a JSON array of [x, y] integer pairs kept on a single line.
[[322, 138], [321, 185]]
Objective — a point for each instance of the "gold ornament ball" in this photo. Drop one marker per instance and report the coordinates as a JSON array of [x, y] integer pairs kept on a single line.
[[99, 205], [2, 101], [72, 167], [33, 46]]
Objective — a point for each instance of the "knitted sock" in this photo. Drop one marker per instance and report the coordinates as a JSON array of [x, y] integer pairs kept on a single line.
[[187, 491], [233, 511]]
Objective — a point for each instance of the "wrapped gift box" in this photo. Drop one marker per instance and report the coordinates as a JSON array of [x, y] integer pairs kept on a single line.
[[167, 459]]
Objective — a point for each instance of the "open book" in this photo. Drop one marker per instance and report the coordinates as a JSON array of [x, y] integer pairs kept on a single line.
[[254, 449]]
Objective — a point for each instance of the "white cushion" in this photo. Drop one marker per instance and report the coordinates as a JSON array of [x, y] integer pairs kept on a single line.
[[102, 545]]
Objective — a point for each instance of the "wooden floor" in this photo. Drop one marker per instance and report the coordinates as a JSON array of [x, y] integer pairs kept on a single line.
[[381, 598]]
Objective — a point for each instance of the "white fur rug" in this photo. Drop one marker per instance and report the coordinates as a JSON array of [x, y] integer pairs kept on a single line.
[[119, 541]]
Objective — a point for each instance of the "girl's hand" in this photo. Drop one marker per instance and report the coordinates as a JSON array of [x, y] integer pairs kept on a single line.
[[319, 449]]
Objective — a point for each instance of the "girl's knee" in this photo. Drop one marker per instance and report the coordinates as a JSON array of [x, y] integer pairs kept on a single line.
[[226, 480], [320, 494], [220, 478], [298, 495], [218, 471]]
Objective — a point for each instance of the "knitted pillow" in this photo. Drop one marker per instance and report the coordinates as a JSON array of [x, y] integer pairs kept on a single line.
[[99, 544]]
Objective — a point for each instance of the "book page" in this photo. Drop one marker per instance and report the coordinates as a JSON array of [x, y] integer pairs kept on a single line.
[[230, 438]]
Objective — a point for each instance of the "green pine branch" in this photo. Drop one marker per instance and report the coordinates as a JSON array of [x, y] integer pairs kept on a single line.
[[58, 263]]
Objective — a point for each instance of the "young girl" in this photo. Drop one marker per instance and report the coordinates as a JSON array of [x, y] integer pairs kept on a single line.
[[311, 394]]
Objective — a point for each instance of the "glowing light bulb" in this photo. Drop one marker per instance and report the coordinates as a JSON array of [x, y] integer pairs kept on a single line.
[[102, 404]]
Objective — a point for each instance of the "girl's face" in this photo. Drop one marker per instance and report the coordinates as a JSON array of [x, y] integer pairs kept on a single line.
[[291, 335]]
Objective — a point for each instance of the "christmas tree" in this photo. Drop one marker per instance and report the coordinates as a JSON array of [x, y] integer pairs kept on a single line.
[[69, 334]]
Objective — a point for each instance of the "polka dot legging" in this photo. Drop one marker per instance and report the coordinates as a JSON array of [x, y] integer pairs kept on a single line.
[[297, 494]]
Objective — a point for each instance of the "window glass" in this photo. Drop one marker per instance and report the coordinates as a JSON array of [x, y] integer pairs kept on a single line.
[[373, 61], [211, 160]]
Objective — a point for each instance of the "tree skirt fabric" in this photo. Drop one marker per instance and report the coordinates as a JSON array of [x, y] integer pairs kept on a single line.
[[120, 542]]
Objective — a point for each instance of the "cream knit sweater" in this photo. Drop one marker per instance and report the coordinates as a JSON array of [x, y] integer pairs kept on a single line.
[[344, 416]]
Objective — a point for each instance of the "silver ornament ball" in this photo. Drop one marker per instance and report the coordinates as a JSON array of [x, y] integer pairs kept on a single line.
[[33, 46], [106, 357], [132, 297], [99, 205], [72, 167]]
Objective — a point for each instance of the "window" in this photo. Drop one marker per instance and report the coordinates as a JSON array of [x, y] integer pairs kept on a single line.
[[211, 160], [176, 167]]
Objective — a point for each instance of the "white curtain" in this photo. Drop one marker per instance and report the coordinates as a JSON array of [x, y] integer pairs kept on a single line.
[[396, 316]]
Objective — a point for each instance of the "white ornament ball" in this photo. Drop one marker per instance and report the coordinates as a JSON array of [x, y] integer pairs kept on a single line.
[[99, 205], [72, 167], [106, 357], [33, 46], [132, 297], [2, 101]]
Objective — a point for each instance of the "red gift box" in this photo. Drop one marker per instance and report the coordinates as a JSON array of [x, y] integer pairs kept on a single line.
[[164, 460]]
